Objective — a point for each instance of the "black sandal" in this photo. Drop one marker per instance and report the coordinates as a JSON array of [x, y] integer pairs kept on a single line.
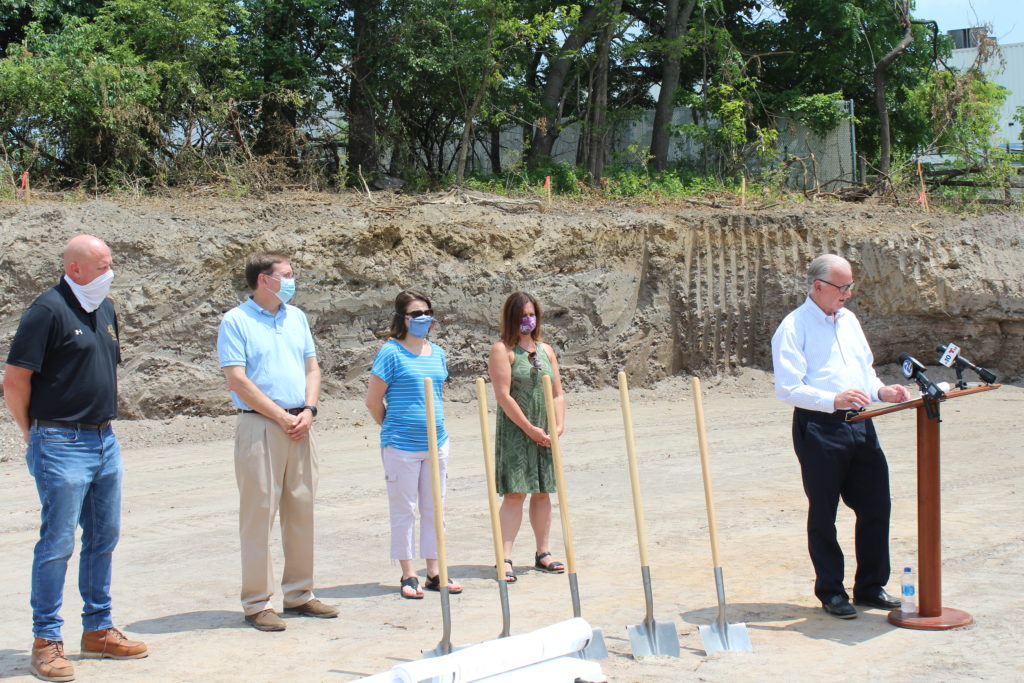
[[510, 574], [434, 584], [413, 583], [552, 567]]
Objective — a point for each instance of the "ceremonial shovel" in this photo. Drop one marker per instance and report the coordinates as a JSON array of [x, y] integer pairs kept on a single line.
[[595, 647], [718, 635], [492, 501], [445, 646], [650, 637]]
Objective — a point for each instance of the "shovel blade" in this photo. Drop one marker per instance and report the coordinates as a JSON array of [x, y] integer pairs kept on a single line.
[[595, 647], [731, 637], [652, 638]]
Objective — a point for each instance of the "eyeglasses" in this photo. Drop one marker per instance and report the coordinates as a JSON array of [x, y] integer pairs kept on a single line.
[[534, 361], [417, 314], [841, 288]]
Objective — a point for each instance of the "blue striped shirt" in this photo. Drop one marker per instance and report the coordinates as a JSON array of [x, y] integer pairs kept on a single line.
[[405, 421], [816, 357]]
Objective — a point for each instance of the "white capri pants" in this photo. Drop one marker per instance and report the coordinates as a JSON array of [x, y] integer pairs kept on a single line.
[[408, 477]]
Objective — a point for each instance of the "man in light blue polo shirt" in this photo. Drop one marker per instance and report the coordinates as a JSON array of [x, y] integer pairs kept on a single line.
[[267, 355]]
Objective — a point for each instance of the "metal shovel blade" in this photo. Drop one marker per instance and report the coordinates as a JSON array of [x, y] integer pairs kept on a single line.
[[595, 647], [730, 637], [652, 638], [445, 646], [649, 637], [720, 635]]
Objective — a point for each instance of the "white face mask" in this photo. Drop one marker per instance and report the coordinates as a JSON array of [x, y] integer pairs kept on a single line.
[[92, 294]]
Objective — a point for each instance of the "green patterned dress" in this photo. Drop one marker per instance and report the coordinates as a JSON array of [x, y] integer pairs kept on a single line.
[[521, 465]]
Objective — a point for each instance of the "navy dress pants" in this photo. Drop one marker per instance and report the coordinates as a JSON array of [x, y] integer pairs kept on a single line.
[[840, 459]]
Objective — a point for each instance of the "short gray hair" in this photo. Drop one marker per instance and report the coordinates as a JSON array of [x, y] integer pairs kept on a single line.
[[821, 268]]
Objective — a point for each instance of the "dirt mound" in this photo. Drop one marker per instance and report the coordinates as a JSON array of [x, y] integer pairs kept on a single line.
[[655, 290]]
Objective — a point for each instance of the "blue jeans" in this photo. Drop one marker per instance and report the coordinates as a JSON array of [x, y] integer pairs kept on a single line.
[[78, 477]]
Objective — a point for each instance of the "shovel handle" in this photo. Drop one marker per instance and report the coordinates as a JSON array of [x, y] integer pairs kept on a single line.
[[435, 480], [492, 490], [705, 469], [556, 459], [634, 472]]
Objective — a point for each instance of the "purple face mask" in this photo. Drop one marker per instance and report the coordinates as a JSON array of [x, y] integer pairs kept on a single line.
[[528, 324]]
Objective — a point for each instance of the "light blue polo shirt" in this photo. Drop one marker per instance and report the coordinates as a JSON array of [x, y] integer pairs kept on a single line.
[[272, 348]]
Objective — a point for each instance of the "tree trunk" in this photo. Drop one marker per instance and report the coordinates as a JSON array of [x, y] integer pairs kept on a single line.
[[362, 132], [485, 83], [494, 150], [676, 23], [881, 68], [278, 119], [597, 131], [547, 127]]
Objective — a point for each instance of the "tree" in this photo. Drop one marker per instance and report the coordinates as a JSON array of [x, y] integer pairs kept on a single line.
[[548, 120], [674, 45]]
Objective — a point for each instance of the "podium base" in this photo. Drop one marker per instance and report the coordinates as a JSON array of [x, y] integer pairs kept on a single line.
[[950, 618]]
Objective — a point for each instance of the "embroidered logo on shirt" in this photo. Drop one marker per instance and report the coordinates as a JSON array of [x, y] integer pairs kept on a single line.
[[110, 330], [77, 332]]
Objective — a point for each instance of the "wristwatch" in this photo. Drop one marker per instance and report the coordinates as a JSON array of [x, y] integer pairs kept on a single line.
[[311, 409]]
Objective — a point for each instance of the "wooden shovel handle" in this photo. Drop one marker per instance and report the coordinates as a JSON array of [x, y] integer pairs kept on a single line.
[[435, 480], [492, 489], [634, 473], [705, 469], [556, 458]]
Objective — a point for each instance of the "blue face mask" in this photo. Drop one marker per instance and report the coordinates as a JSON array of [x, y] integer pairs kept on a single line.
[[418, 327], [287, 289]]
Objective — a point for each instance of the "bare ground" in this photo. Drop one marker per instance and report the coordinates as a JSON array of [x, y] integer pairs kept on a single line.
[[176, 569]]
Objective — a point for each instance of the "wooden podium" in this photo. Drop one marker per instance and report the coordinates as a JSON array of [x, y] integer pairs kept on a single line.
[[930, 615]]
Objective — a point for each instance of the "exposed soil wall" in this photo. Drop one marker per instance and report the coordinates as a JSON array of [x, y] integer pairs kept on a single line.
[[657, 290]]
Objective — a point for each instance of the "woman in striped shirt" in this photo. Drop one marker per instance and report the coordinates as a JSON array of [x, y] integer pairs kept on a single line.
[[395, 400]]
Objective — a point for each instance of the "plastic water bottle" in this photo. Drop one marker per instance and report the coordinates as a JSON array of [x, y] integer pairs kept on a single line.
[[908, 603]]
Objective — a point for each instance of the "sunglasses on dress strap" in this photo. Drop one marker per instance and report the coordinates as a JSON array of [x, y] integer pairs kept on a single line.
[[534, 361]]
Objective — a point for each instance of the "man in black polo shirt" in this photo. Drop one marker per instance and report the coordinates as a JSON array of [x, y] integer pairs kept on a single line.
[[60, 386]]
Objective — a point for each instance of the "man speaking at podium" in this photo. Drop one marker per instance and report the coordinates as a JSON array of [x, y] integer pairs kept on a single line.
[[823, 368]]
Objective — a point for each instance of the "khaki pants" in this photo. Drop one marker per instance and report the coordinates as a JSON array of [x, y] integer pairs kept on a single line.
[[274, 472]]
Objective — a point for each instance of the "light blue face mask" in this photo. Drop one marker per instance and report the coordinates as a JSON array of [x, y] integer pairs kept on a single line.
[[418, 327], [287, 289]]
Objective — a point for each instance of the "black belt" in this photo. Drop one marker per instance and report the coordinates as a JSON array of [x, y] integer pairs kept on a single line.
[[837, 416], [70, 425], [290, 411]]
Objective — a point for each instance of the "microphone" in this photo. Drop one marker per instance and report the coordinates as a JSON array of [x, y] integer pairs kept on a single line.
[[951, 354], [913, 369]]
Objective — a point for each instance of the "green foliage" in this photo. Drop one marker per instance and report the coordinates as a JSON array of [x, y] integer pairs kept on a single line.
[[135, 95], [820, 112]]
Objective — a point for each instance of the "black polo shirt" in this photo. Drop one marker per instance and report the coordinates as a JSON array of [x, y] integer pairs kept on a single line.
[[73, 356]]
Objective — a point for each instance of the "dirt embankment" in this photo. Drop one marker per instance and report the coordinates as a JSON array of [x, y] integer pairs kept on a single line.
[[657, 290]]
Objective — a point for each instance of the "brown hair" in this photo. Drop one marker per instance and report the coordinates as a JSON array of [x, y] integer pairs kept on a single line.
[[512, 314], [398, 327], [261, 264]]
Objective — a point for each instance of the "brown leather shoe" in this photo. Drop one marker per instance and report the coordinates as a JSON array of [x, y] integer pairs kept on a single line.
[[266, 620], [314, 608], [110, 642], [49, 662]]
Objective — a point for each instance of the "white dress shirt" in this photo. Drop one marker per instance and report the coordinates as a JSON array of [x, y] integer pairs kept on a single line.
[[816, 356]]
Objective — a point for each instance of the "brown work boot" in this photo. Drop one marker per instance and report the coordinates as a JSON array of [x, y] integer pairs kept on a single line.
[[49, 662], [314, 608], [110, 642], [266, 620]]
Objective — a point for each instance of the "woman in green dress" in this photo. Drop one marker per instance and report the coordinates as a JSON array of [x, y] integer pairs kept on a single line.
[[522, 448]]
